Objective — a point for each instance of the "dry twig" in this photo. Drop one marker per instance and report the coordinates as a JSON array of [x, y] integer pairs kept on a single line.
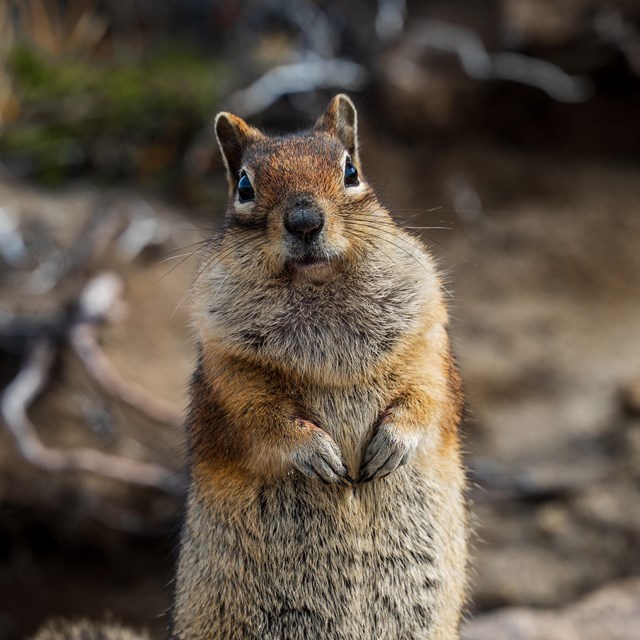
[[298, 77], [96, 305], [84, 343], [480, 64], [15, 402]]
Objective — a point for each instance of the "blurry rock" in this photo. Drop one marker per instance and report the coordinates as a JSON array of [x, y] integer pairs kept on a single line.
[[612, 613], [517, 573], [610, 505]]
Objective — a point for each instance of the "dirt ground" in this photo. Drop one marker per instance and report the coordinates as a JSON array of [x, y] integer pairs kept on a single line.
[[543, 263]]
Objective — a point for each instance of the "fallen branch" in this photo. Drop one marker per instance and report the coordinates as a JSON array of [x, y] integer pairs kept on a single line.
[[480, 64], [17, 398], [85, 344], [298, 77], [96, 305]]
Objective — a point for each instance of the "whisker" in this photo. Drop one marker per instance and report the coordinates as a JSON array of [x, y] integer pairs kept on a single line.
[[451, 251], [372, 243], [373, 238], [184, 259], [188, 246], [430, 239], [236, 242], [180, 255], [382, 237], [483, 210], [419, 211], [211, 262], [384, 223], [400, 223]]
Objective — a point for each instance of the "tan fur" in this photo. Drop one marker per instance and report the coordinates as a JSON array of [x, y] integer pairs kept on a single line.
[[339, 369], [85, 630]]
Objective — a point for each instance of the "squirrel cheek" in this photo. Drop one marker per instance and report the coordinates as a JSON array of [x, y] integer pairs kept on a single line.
[[356, 189], [244, 214], [243, 207]]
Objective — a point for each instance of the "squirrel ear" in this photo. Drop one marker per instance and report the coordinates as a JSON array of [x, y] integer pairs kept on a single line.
[[341, 119], [234, 135]]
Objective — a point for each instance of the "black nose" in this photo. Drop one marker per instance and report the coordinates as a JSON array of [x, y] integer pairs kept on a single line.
[[304, 220]]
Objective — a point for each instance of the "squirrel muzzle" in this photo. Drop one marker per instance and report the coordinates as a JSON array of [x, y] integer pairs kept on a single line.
[[304, 223], [303, 219]]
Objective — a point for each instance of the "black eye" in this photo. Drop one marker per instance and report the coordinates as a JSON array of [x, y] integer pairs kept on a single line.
[[350, 174], [245, 189]]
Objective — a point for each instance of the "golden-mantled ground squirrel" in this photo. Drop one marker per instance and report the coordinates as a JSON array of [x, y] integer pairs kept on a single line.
[[326, 489]]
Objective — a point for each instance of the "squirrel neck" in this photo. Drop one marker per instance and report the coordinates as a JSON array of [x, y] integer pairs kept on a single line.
[[333, 332]]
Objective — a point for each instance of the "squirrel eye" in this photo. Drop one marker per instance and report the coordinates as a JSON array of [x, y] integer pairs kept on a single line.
[[350, 174], [245, 188]]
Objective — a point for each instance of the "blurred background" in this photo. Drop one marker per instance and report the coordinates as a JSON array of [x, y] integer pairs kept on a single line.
[[510, 126]]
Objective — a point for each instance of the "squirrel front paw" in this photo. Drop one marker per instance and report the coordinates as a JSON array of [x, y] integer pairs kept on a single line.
[[319, 457], [389, 449]]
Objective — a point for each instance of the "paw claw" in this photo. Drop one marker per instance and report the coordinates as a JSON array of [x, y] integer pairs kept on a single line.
[[388, 450], [320, 457]]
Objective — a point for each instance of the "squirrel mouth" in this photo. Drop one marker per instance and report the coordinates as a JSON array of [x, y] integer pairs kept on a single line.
[[306, 260]]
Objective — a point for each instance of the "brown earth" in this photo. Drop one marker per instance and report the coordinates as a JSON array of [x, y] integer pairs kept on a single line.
[[612, 612]]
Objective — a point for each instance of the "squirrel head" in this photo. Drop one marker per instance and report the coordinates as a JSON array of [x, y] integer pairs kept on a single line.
[[309, 272], [304, 195]]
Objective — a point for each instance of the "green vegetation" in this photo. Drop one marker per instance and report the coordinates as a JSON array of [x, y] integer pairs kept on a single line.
[[120, 116]]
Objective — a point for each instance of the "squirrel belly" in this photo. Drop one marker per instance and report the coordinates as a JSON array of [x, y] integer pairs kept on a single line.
[[326, 495], [301, 561]]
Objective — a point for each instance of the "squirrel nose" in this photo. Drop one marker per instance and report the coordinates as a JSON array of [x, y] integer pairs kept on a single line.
[[304, 221]]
